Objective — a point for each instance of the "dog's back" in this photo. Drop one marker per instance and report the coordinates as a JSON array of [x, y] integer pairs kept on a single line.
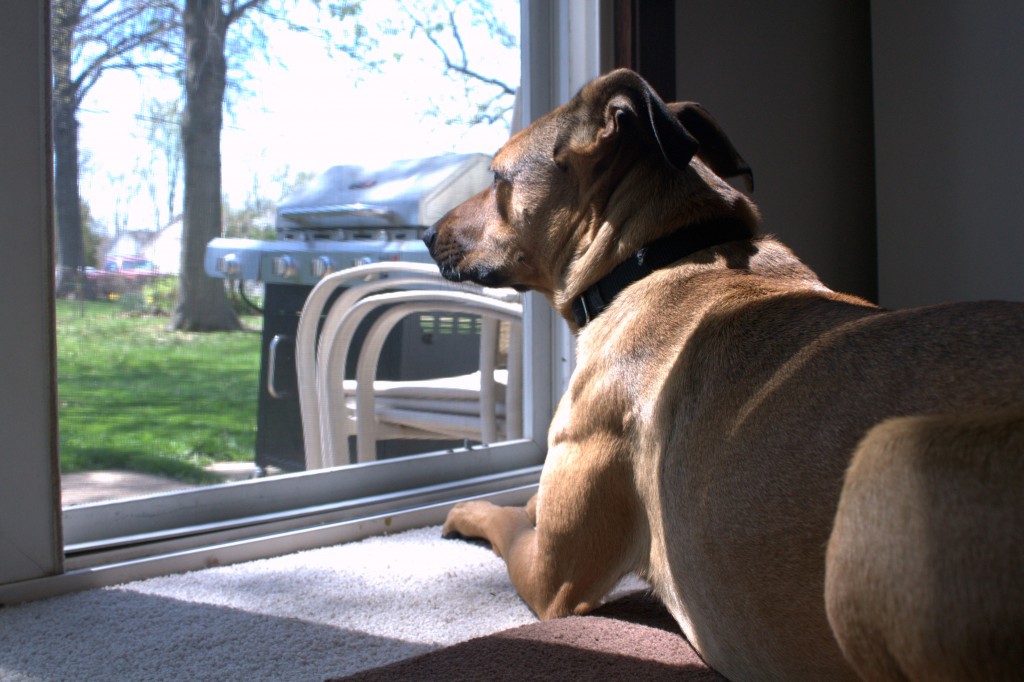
[[774, 387]]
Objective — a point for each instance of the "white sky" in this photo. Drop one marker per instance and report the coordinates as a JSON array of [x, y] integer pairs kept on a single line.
[[311, 114]]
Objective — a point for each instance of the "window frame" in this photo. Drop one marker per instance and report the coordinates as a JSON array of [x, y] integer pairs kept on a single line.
[[564, 44], [29, 469]]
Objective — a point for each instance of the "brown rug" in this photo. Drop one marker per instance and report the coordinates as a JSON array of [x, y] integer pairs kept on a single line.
[[631, 638]]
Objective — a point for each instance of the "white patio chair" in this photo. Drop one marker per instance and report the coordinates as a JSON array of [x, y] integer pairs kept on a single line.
[[485, 405], [360, 281]]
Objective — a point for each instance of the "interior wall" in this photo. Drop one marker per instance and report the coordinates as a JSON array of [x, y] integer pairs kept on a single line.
[[949, 102], [790, 83]]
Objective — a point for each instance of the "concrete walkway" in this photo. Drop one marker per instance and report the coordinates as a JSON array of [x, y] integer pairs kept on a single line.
[[103, 486]]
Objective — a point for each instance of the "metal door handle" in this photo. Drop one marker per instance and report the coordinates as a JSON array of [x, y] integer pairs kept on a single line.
[[272, 367]]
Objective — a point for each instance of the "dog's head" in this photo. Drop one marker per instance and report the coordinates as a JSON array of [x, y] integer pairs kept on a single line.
[[586, 185]]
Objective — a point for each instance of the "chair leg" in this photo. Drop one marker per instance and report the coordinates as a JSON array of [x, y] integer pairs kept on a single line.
[[488, 387], [514, 388]]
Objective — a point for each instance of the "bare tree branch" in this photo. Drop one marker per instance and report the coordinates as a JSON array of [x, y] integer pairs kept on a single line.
[[462, 65], [236, 11], [90, 37]]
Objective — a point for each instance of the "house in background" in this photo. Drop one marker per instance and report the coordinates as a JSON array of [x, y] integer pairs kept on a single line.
[[162, 246]]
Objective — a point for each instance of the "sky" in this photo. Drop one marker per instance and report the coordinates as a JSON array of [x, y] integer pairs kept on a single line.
[[306, 111]]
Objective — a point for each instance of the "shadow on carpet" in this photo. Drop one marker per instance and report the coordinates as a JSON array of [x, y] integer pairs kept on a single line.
[[631, 638]]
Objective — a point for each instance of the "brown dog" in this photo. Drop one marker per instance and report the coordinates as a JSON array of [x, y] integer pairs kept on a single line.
[[722, 394]]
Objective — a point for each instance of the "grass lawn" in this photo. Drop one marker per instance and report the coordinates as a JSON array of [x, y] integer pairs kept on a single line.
[[132, 395]]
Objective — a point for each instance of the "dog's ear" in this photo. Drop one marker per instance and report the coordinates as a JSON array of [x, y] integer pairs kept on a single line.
[[715, 148], [621, 102]]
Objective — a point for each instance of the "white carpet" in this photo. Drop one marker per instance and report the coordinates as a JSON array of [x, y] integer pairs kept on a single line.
[[305, 616]]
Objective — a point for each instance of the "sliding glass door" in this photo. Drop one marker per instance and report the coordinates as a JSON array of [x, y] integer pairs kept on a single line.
[[149, 398]]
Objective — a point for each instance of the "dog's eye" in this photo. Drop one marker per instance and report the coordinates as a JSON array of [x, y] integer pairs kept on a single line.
[[499, 178]]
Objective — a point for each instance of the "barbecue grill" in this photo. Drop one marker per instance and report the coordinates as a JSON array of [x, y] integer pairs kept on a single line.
[[349, 215]]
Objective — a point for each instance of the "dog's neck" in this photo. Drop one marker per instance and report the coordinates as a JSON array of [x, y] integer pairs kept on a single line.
[[654, 256]]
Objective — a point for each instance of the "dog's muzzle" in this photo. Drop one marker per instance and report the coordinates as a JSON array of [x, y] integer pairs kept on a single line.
[[429, 237], [449, 257], [446, 257], [446, 263]]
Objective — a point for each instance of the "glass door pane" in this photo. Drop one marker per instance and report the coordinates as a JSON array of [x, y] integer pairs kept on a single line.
[[161, 390]]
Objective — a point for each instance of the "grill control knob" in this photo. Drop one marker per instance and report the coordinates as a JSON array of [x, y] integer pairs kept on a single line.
[[321, 266], [229, 266], [284, 266]]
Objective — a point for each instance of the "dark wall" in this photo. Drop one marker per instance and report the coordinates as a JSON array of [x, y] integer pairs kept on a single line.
[[949, 140], [791, 85], [887, 138]]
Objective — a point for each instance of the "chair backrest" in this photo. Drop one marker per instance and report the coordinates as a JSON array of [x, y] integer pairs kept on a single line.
[[399, 305], [306, 337], [320, 360]]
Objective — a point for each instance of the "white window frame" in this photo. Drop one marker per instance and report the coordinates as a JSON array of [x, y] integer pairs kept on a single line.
[[46, 551]]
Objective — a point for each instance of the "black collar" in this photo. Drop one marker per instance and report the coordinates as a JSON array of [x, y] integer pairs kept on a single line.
[[654, 256]]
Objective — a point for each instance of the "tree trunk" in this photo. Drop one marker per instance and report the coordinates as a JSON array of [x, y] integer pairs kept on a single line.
[[66, 197], [67, 201], [202, 304]]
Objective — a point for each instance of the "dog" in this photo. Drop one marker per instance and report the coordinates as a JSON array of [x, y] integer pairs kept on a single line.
[[816, 488]]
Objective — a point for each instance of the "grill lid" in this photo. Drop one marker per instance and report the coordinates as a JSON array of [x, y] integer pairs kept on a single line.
[[412, 193]]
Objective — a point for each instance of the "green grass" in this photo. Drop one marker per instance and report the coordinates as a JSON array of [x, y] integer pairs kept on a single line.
[[134, 396]]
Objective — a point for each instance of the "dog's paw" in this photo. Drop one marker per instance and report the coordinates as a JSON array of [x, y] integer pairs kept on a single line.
[[449, 534], [467, 520]]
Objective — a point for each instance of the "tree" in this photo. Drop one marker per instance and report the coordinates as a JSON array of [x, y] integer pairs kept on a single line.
[[163, 132], [443, 24], [91, 238], [439, 23], [202, 304], [90, 37]]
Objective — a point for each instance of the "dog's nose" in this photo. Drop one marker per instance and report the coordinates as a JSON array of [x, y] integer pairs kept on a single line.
[[430, 236]]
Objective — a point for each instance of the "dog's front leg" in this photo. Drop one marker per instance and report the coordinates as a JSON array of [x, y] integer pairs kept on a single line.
[[513, 537], [568, 547]]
